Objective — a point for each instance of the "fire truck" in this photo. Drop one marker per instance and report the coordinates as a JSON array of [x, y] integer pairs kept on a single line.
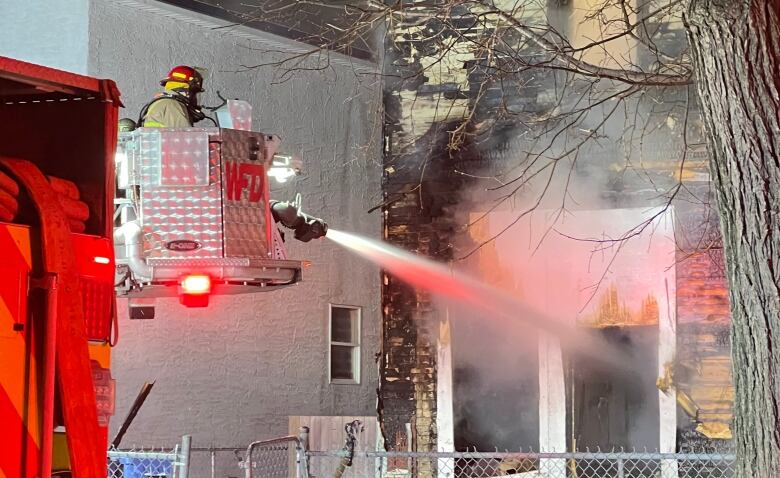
[[194, 216], [191, 217]]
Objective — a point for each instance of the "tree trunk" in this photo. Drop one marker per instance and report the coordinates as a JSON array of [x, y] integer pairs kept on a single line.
[[736, 49]]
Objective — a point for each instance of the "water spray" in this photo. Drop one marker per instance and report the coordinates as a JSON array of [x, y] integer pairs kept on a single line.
[[440, 280]]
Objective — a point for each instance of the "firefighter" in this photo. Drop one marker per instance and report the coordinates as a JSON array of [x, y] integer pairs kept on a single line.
[[177, 106], [126, 125]]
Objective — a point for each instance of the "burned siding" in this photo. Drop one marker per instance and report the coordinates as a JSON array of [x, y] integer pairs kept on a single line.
[[703, 369]]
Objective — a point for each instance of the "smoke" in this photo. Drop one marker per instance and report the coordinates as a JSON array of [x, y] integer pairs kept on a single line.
[[542, 195], [495, 381]]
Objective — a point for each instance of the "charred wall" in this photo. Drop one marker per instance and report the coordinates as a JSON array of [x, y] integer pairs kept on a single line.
[[430, 89], [418, 194]]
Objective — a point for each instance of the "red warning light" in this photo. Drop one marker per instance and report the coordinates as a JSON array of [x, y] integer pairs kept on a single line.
[[195, 289], [196, 284]]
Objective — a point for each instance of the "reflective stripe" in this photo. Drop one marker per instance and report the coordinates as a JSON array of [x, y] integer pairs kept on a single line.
[[153, 124], [20, 408], [172, 85]]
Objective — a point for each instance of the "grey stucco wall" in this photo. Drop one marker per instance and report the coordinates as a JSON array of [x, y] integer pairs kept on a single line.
[[49, 33], [233, 372]]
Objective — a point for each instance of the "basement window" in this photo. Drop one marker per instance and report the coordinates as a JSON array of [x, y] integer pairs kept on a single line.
[[344, 338]]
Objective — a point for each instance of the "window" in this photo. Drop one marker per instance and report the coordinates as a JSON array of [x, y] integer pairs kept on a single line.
[[344, 359]]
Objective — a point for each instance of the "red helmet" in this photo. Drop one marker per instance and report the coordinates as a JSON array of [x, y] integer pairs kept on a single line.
[[185, 74]]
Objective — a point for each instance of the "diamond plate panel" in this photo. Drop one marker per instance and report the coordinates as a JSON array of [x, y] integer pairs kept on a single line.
[[279, 251], [245, 194], [241, 112], [215, 262], [127, 155], [175, 213], [236, 114], [184, 158]]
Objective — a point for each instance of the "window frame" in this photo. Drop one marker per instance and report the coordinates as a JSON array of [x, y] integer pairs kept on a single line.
[[356, 344]]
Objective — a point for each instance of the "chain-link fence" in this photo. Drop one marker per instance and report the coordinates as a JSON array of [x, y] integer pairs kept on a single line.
[[277, 458], [289, 457], [525, 465], [150, 462]]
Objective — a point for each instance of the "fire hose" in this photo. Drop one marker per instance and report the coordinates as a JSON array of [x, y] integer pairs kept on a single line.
[[68, 197], [9, 194], [351, 430]]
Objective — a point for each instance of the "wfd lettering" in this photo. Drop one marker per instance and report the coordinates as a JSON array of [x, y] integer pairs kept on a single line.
[[244, 176]]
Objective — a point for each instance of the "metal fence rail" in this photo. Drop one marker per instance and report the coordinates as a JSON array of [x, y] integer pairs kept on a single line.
[[523, 465], [217, 462], [150, 462]]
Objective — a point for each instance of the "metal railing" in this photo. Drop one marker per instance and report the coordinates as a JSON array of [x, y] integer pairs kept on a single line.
[[151, 462], [325, 464]]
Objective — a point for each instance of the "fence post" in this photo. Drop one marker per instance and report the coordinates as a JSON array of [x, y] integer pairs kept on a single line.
[[621, 472], [213, 463], [303, 453], [184, 457]]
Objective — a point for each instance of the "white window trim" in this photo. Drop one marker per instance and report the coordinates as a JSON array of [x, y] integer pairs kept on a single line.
[[356, 345]]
